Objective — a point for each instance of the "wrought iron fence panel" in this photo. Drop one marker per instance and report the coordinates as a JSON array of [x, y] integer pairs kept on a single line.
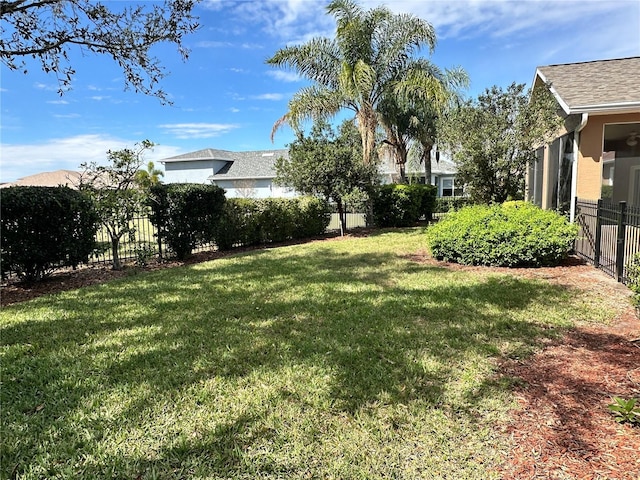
[[609, 235]]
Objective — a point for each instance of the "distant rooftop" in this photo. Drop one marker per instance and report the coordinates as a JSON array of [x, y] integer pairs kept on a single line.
[[69, 178]]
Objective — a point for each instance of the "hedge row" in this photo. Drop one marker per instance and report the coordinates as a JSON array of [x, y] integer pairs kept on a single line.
[[44, 228], [252, 222], [511, 234], [186, 214], [397, 205]]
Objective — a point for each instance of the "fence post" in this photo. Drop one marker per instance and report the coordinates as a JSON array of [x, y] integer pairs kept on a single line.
[[596, 253], [620, 241]]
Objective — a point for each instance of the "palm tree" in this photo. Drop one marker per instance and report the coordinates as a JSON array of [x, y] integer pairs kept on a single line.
[[409, 116], [366, 61], [149, 177]]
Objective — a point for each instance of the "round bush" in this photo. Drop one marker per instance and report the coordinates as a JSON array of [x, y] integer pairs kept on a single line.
[[509, 235]]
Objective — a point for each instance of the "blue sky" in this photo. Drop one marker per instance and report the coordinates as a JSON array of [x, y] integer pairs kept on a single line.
[[225, 96]]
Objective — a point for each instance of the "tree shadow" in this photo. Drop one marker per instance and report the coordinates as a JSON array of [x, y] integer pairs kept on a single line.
[[350, 316]]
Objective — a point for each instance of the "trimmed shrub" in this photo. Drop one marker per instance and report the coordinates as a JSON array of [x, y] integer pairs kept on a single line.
[[397, 205], [313, 217], [427, 195], [512, 234], [250, 222], [633, 276], [448, 204], [45, 228], [238, 224], [276, 217], [186, 214]]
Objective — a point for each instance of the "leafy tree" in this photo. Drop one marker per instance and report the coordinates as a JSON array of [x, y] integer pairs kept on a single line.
[[48, 30], [116, 193], [371, 57], [494, 138], [327, 165]]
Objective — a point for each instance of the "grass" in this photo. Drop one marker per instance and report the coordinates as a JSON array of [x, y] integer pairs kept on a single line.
[[338, 359]]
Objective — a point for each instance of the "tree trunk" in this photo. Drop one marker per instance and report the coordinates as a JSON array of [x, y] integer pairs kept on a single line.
[[426, 157], [115, 245], [403, 173], [343, 218], [367, 125]]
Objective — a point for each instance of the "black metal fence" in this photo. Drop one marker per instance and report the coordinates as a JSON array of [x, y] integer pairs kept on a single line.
[[609, 235], [143, 243]]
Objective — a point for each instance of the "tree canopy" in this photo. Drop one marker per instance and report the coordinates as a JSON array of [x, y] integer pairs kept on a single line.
[[327, 164], [116, 192], [494, 137], [47, 31], [373, 56]]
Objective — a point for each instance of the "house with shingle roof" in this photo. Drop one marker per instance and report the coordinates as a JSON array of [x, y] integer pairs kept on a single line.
[[241, 174], [251, 174], [596, 154]]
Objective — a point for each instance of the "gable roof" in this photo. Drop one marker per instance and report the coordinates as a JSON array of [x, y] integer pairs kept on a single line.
[[602, 86], [237, 165], [256, 164], [204, 154], [69, 178]]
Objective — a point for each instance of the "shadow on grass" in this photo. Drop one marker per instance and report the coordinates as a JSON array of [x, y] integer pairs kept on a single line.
[[359, 317]]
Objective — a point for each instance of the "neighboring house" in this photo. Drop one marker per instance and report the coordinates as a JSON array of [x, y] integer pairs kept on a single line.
[[443, 174], [597, 153], [241, 174], [251, 174], [69, 178]]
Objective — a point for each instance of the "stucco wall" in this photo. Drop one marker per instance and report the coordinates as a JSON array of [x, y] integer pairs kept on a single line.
[[258, 188], [193, 171], [590, 153]]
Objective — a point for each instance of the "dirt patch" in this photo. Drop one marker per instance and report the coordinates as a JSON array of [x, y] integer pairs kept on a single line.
[[562, 428]]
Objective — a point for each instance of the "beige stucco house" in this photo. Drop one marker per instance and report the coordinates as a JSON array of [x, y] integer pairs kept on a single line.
[[597, 153]]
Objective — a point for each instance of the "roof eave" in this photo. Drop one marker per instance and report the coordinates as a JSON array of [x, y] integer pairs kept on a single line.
[[213, 177], [555, 93], [607, 108]]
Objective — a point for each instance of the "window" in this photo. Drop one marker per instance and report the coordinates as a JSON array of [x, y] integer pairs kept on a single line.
[[447, 187], [451, 188]]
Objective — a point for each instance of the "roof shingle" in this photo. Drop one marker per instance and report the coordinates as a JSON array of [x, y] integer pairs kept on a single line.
[[594, 84]]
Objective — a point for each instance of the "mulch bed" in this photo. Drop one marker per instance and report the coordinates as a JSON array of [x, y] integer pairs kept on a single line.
[[562, 428]]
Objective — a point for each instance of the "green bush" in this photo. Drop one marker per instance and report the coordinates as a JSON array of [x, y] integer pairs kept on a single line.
[[396, 205], [250, 222], [313, 217], [186, 215], [512, 234], [45, 228], [633, 276], [448, 204], [238, 224]]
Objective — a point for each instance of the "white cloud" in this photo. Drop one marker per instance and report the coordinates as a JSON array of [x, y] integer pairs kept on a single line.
[[198, 130], [284, 76], [67, 115], [269, 96], [58, 102], [21, 160], [213, 44]]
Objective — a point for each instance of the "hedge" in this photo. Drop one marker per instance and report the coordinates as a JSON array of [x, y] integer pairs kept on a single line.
[[258, 221], [512, 234], [45, 228], [397, 205], [185, 214]]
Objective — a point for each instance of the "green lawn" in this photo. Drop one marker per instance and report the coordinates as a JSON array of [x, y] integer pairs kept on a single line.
[[337, 359]]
